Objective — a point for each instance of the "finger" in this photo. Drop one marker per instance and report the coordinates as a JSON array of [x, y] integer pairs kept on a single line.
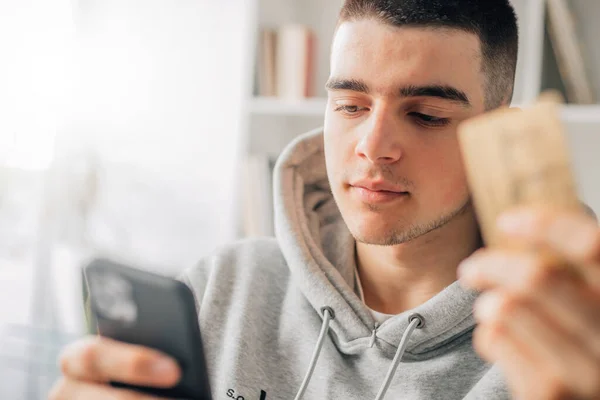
[[67, 389], [102, 360], [521, 271], [512, 356], [574, 235], [557, 291], [569, 369]]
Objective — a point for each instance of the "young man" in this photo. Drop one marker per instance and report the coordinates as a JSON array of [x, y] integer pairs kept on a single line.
[[358, 297]]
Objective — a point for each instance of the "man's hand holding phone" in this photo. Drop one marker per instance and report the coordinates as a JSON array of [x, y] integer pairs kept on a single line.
[[149, 343], [91, 363]]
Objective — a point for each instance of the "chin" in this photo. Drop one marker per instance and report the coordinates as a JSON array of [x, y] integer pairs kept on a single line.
[[376, 240], [389, 229], [376, 225], [379, 230]]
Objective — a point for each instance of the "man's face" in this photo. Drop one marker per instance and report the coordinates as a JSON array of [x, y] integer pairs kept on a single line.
[[396, 97]]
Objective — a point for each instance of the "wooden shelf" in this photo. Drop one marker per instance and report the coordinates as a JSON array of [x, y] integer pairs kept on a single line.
[[582, 114], [276, 106]]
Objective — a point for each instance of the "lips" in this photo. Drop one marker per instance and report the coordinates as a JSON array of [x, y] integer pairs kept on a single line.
[[377, 192], [379, 186]]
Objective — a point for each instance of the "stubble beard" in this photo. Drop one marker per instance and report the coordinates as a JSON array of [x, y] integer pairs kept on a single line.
[[405, 234]]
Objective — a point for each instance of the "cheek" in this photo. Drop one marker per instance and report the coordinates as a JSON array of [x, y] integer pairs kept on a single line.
[[339, 151], [442, 176]]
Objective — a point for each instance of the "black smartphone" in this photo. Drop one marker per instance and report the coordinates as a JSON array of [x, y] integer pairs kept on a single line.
[[139, 307]]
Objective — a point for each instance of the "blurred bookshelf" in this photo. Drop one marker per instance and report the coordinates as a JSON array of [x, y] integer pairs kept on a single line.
[[271, 121], [284, 100]]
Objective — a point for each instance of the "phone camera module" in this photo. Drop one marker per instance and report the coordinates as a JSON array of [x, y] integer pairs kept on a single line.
[[112, 296]]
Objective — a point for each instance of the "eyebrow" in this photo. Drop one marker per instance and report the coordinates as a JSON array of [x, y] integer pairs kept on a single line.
[[347, 84], [445, 92]]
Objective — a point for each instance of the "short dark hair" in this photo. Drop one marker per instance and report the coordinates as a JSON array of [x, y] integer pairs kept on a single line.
[[493, 21]]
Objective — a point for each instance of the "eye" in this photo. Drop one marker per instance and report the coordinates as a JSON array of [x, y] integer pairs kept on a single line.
[[349, 110], [429, 120]]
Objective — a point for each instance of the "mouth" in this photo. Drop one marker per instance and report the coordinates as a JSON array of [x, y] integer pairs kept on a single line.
[[372, 196]]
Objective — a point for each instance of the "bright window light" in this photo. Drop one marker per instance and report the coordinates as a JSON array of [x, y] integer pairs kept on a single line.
[[35, 79]]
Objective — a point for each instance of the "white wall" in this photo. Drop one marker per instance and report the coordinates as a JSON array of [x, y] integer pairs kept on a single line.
[[159, 98], [34, 91]]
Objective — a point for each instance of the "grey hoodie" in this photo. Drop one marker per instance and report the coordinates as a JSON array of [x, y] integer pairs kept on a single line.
[[270, 310]]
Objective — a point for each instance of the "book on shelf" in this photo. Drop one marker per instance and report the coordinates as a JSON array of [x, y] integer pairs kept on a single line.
[[569, 54], [266, 63], [258, 196], [286, 62]]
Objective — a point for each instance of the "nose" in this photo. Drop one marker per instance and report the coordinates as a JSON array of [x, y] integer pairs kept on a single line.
[[380, 142]]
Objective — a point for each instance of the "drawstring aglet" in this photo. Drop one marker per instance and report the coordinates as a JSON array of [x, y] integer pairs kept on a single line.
[[373, 336]]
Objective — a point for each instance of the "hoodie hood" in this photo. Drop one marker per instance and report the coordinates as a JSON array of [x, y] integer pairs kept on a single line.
[[320, 252]]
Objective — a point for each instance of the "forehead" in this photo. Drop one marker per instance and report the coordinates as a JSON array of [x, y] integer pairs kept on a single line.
[[384, 55]]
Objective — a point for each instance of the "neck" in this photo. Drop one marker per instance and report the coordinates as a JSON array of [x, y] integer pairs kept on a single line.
[[401, 277]]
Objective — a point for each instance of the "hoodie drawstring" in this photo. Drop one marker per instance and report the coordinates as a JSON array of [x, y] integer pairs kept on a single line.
[[415, 321], [373, 335], [328, 315]]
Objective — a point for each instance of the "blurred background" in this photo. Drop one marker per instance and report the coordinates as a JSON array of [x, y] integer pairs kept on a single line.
[[146, 130]]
